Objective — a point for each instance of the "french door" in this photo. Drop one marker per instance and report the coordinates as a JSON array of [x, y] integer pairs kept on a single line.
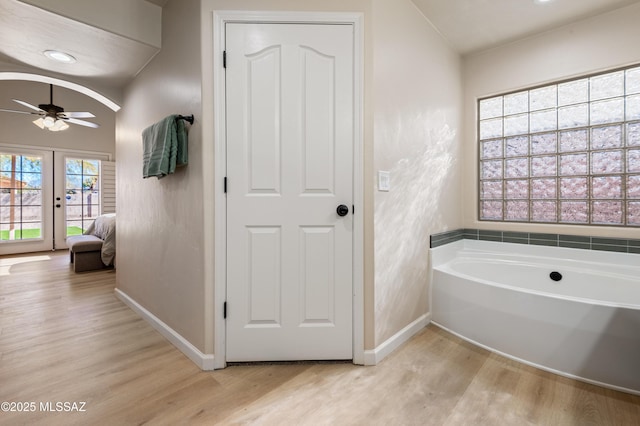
[[77, 187], [26, 188], [46, 196]]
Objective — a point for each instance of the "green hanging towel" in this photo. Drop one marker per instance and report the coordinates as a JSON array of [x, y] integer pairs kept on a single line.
[[164, 147]]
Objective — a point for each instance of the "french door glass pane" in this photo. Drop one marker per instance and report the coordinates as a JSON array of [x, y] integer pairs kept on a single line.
[[20, 197], [82, 194]]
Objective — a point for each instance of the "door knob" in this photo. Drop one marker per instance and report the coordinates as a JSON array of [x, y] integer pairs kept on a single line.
[[342, 210]]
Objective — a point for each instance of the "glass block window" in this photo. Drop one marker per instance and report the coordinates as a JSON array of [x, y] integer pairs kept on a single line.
[[564, 153]]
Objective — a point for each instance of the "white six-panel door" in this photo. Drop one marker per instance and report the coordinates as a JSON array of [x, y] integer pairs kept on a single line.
[[290, 138]]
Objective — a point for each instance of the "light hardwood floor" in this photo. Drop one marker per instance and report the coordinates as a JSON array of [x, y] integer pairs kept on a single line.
[[64, 337]]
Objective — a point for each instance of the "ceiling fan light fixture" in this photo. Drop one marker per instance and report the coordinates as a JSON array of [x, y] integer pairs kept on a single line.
[[59, 125], [39, 122], [48, 121], [56, 55], [53, 117], [51, 124]]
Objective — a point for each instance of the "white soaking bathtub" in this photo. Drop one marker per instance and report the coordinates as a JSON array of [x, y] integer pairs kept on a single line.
[[501, 296]]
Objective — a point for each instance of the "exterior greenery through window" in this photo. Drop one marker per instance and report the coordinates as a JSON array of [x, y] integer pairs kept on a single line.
[[82, 197], [20, 197], [563, 153]]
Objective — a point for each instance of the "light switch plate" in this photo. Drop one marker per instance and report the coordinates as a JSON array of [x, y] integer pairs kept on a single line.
[[384, 180]]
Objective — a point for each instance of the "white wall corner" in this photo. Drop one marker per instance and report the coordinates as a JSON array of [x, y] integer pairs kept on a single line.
[[204, 361], [374, 356]]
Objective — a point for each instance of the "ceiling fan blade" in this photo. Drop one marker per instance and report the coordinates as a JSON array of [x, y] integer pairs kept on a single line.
[[76, 115], [28, 105], [81, 122], [20, 112]]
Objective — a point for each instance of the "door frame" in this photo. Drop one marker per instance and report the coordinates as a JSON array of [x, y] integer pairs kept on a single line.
[[219, 273]]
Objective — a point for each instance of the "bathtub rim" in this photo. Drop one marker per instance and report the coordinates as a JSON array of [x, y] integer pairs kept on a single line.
[[442, 256], [443, 253], [448, 270]]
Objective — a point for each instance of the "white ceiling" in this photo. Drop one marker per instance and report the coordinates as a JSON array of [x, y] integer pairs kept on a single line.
[[103, 56], [113, 60], [473, 25]]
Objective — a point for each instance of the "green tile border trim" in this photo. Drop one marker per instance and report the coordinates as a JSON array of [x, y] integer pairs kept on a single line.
[[620, 245]]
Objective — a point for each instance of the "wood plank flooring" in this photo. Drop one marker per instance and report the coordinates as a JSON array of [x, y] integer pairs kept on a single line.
[[64, 337]]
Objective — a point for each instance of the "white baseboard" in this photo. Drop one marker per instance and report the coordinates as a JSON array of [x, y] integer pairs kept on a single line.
[[204, 361], [374, 356]]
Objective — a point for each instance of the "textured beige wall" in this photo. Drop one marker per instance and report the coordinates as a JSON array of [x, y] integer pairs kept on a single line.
[[160, 238], [597, 44], [412, 85], [417, 96], [18, 129]]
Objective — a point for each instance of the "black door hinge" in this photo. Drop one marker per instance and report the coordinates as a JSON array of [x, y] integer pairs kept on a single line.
[[224, 310], [224, 59], [225, 184]]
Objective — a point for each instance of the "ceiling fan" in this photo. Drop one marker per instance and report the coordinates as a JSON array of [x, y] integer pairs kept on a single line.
[[53, 117]]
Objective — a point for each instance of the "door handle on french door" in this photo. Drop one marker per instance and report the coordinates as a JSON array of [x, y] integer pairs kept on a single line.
[[342, 210]]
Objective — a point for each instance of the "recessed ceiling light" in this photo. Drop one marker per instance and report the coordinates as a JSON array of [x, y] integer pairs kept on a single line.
[[543, 1], [59, 56]]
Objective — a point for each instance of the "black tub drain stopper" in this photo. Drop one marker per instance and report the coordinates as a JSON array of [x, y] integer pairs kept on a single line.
[[555, 275]]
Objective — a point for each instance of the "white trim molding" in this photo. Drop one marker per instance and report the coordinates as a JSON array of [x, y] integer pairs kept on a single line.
[[214, 94], [204, 361], [374, 356], [9, 75]]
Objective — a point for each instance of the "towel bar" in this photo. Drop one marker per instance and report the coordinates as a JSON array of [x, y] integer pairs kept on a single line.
[[188, 118]]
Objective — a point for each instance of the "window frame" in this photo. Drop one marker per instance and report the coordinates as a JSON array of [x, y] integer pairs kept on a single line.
[[21, 206]]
